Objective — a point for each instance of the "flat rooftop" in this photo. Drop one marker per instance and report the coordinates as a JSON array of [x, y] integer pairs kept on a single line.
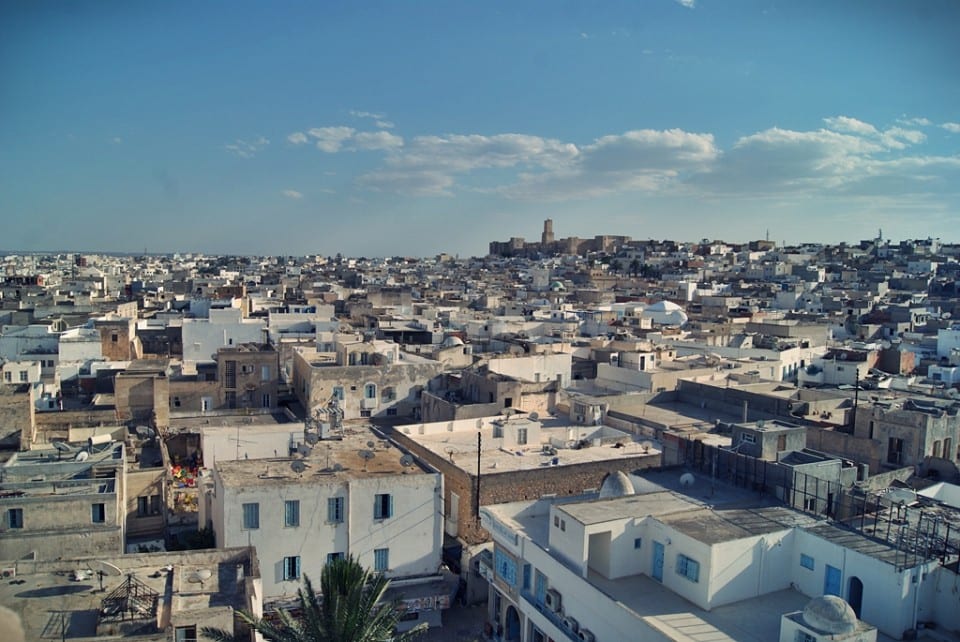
[[329, 459], [460, 447], [53, 603]]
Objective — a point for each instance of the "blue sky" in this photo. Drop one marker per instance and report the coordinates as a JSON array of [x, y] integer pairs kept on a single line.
[[411, 128]]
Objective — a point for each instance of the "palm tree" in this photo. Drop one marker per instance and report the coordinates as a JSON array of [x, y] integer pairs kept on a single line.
[[351, 610]]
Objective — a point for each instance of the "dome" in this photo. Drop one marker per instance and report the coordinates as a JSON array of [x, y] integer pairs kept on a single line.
[[557, 286], [451, 341], [663, 306], [616, 485], [830, 614]]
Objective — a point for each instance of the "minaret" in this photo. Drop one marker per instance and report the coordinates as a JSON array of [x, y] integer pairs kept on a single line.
[[547, 237]]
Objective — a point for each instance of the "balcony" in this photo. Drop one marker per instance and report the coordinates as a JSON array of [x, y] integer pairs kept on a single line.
[[368, 404]]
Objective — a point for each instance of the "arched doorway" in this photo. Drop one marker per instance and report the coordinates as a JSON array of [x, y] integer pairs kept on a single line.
[[855, 594], [513, 624]]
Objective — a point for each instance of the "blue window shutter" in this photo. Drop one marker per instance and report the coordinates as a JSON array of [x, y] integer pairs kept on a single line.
[[390, 510]]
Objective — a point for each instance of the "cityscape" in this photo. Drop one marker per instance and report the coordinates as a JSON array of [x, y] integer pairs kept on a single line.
[[462, 322]]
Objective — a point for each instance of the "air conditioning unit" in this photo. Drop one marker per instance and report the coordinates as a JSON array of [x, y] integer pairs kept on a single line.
[[571, 624], [586, 636], [9, 572], [553, 600]]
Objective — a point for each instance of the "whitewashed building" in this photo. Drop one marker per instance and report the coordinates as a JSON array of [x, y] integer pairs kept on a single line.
[[615, 567], [301, 513]]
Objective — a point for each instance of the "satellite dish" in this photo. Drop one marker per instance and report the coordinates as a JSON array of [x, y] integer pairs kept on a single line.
[[304, 449], [83, 455], [62, 446], [145, 432], [366, 456], [687, 479], [533, 416], [311, 438], [106, 568], [371, 444], [199, 576], [337, 468], [646, 446], [298, 466], [406, 461]]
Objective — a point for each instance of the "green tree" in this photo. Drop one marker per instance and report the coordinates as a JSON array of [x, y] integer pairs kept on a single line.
[[351, 609], [635, 267]]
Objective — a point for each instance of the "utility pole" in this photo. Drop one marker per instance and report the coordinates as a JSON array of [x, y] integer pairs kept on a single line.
[[476, 500]]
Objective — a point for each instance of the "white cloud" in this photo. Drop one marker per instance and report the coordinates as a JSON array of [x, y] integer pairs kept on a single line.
[[297, 138], [292, 193], [247, 149], [376, 140], [899, 138], [642, 160], [850, 125], [953, 128], [384, 124], [117, 140], [915, 122], [331, 139], [408, 183], [366, 114], [689, 4], [456, 153]]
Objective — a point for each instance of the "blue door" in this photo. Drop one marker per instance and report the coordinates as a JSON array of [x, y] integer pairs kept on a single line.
[[831, 581], [658, 561]]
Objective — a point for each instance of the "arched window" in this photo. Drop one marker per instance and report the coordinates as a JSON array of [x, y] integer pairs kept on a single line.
[[370, 391]]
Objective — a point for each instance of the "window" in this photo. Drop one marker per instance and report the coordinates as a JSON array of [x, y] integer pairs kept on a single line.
[[383, 506], [389, 393], [338, 393], [556, 521], [563, 525], [113, 337], [143, 506], [381, 559], [366, 413], [265, 400], [335, 510], [8, 377], [521, 436], [15, 518], [185, 633], [688, 568], [155, 504], [894, 450], [391, 412], [803, 636], [251, 516], [506, 567], [264, 373], [291, 568], [334, 556], [291, 513], [176, 402], [526, 577], [98, 513], [806, 561], [637, 542], [370, 391], [23, 375], [747, 438]]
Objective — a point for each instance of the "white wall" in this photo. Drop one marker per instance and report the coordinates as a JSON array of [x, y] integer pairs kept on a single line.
[[540, 367], [888, 595], [413, 534], [202, 338]]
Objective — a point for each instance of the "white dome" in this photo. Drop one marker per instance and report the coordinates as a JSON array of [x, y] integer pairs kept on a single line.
[[616, 485], [451, 341], [830, 614]]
